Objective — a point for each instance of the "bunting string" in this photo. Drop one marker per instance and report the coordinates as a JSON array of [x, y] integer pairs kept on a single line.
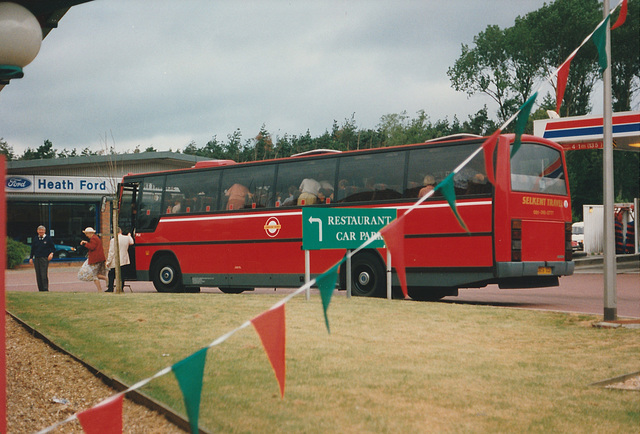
[[92, 420], [562, 72]]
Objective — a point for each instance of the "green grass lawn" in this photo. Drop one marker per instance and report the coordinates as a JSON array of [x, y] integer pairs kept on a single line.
[[387, 366]]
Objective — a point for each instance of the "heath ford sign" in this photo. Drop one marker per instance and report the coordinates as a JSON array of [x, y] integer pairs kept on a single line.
[[58, 184]]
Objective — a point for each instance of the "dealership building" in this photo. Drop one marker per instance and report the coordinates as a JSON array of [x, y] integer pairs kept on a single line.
[[66, 194]]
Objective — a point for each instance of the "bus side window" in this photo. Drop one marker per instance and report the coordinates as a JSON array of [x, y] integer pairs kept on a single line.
[[292, 174], [371, 177], [185, 192], [440, 162], [248, 187], [149, 202]]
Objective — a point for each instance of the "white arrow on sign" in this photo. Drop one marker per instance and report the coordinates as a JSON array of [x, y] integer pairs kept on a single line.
[[317, 220]]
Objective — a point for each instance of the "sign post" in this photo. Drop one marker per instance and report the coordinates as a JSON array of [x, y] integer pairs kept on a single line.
[[348, 279], [389, 295], [344, 228], [307, 274]]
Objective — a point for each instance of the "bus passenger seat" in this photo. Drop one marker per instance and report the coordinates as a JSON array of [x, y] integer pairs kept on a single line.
[[189, 205], [206, 204]]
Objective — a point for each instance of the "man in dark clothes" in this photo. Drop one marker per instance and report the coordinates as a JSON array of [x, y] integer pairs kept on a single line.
[[42, 249]]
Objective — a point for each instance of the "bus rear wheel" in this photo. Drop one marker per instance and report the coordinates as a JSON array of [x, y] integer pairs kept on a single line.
[[367, 275], [166, 275]]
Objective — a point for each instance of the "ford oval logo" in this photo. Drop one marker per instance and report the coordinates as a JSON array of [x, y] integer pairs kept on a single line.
[[17, 183]]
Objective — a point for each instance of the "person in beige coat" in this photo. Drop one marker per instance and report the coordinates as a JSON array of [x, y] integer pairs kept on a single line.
[[124, 241]]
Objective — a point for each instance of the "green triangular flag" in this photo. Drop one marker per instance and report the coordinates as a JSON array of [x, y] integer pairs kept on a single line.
[[600, 39], [327, 283], [521, 122], [189, 374], [446, 187]]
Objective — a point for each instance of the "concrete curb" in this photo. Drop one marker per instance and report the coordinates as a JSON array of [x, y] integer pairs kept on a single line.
[[599, 260], [610, 325], [621, 323]]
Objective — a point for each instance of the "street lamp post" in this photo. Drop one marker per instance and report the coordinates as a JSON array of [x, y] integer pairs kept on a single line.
[[20, 39]]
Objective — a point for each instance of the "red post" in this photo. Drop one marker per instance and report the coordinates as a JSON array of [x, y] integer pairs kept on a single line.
[[3, 267]]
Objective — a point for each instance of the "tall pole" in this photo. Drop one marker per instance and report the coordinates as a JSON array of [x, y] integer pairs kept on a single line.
[[610, 303], [3, 336], [116, 247]]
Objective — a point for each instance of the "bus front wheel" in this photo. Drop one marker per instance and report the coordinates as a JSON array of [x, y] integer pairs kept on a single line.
[[166, 275]]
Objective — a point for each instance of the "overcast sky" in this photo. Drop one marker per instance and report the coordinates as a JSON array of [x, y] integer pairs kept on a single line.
[[163, 73]]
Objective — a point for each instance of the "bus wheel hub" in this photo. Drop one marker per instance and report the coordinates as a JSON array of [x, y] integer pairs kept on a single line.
[[166, 275], [364, 278]]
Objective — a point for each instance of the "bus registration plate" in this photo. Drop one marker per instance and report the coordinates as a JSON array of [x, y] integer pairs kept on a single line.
[[544, 270]]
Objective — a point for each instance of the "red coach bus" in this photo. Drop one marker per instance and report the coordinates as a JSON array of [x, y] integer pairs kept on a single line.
[[239, 226]]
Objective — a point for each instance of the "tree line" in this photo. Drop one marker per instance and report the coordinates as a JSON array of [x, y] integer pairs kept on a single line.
[[508, 64], [393, 129]]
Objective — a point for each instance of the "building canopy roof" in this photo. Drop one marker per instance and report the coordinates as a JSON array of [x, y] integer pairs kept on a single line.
[[586, 132], [168, 159]]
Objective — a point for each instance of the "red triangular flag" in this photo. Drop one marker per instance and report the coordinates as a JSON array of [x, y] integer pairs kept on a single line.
[[393, 235], [104, 418], [622, 17], [271, 329], [563, 74], [488, 147]]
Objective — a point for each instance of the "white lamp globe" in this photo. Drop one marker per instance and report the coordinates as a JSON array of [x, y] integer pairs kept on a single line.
[[20, 35]]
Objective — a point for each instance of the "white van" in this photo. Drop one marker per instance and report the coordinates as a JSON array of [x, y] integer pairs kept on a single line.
[[577, 236]]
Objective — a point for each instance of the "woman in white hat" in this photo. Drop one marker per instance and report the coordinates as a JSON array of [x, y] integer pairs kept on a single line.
[[95, 270]]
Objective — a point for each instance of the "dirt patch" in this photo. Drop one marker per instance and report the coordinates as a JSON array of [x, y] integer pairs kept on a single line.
[[45, 387]]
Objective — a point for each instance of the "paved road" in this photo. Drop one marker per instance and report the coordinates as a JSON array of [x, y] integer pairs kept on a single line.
[[582, 292]]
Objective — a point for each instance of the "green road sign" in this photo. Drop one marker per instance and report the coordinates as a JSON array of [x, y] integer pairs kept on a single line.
[[343, 228]]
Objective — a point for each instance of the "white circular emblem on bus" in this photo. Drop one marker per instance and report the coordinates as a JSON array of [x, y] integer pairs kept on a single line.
[[272, 227], [566, 204]]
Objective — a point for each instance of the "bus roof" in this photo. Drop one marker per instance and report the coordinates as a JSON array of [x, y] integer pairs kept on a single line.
[[454, 137], [213, 163], [317, 152]]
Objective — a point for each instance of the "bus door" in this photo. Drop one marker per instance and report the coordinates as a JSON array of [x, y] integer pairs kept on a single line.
[[127, 220]]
